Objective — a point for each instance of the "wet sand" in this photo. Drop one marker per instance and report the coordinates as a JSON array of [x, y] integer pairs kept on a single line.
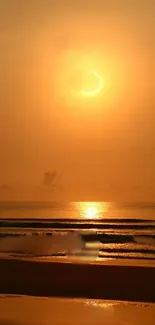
[[93, 280], [25, 310]]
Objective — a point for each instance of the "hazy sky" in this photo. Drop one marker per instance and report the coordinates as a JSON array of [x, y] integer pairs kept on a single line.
[[105, 146]]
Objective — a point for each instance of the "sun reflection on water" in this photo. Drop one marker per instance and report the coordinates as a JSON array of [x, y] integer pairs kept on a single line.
[[92, 210], [99, 303]]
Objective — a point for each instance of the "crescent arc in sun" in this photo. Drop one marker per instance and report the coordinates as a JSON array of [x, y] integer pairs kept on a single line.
[[96, 90]]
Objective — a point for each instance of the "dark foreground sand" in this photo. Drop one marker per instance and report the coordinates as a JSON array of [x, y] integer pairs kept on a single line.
[[94, 281]]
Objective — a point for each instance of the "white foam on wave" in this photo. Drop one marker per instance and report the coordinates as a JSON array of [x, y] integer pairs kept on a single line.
[[43, 245]]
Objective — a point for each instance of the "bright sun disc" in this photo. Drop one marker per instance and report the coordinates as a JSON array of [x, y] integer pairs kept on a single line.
[[96, 89], [86, 83]]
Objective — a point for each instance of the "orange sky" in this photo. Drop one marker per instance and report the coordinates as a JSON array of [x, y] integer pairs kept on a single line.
[[105, 146]]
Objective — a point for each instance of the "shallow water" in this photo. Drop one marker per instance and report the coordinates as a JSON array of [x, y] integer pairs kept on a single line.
[[110, 230]]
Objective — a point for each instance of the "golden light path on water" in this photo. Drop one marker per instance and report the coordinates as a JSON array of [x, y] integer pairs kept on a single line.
[[92, 210]]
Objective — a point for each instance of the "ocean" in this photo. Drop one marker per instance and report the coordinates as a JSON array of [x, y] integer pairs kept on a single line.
[[109, 231]]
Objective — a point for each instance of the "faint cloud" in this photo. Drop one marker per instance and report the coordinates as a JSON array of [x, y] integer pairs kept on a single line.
[[50, 178], [53, 179]]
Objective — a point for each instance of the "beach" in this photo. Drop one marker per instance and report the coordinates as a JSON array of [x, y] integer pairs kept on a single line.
[[98, 255], [114, 281], [26, 310]]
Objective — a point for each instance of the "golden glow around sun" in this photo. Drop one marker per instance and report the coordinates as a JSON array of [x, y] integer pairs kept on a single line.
[[90, 76], [88, 88], [86, 82], [80, 76]]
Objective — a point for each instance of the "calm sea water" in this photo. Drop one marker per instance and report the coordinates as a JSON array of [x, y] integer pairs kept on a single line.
[[115, 231], [77, 210]]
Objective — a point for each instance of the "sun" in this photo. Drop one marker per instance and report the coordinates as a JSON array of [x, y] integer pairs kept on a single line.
[[80, 79], [93, 90], [86, 82]]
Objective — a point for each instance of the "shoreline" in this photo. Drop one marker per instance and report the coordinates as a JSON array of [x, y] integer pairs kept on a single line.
[[111, 281], [46, 311]]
